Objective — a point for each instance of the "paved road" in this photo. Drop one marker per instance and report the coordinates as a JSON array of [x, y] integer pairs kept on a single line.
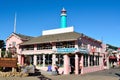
[[114, 72], [111, 74]]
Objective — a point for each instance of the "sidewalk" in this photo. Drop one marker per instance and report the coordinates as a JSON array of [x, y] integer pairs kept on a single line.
[[112, 74], [99, 75], [82, 77], [62, 77]]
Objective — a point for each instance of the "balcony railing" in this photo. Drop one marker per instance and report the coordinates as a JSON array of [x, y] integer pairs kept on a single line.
[[25, 49]]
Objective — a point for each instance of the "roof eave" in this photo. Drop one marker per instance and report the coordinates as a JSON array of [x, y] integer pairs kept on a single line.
[[48, 42]]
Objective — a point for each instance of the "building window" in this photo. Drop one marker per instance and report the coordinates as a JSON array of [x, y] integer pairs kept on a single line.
[[68, 44], [13, 43], [40, 60], [28, 47], [91, 60], [44, 46], [48, 59], [85, 60], [59, 61], [97, 60], [59, 45], [12, 50], [9, 45]]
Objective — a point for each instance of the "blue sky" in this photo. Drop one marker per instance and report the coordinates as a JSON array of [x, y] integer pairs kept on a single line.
[[99, 19]]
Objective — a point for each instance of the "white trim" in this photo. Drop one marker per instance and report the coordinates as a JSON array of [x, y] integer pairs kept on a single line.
[[58, 31]]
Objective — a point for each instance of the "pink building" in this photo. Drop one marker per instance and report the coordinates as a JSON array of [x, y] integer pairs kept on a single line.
[[14, 41], [111, 56], [63, 47]]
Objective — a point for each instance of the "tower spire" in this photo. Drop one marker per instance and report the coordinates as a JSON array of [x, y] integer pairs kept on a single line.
[[63, 18], [15, 23]]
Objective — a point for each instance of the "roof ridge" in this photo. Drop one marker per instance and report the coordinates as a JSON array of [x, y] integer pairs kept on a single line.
[[22, 36]]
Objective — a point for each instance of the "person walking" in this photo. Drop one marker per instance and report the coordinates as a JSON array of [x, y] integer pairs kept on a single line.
[[55, 70]]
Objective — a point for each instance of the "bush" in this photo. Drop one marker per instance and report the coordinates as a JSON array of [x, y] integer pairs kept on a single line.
[[1, 68], [2, 53]]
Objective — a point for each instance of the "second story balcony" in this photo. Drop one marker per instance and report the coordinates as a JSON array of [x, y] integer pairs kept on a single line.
[[44, 46], [60, 47], [27, 47], [67, 44]]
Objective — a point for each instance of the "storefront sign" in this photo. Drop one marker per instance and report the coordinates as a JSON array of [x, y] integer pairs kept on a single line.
[[66, 50], [72, 50]]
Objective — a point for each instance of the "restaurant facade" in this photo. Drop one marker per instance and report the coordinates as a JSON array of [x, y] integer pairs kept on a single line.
[[63, 47]]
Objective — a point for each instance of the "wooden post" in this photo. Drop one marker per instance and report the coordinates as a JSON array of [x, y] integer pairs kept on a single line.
[[14, 69]]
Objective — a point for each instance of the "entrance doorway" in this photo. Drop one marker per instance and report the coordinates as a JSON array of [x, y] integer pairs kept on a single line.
[[72, 63], [28, 59]]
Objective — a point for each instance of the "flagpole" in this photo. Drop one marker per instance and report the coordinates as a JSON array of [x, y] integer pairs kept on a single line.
[[15, 23]]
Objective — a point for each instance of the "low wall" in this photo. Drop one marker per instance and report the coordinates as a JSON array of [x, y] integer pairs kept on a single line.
[[92, 69]]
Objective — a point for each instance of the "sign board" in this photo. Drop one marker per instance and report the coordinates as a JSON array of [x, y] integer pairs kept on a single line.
[[72, 50], [66, 50], [8, 62], [83, 50]]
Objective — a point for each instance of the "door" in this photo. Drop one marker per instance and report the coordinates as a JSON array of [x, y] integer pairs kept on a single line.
[[72, 64]]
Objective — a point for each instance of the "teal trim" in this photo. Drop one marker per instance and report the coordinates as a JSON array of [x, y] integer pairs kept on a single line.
[[63, 22]]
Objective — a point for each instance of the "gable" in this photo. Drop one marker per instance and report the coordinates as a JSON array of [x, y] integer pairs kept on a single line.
[[12, 36], [13, 40]]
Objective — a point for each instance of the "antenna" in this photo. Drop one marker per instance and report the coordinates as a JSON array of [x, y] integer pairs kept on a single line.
[[15, 23]]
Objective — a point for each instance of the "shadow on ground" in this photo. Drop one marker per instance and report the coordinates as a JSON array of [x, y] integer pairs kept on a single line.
[[39, 75], [42, 77], [35, 74], [118, 74]]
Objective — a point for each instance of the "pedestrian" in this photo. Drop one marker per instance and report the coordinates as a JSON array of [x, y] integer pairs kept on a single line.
[[72, 69], [55, 70], [49, 68]]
